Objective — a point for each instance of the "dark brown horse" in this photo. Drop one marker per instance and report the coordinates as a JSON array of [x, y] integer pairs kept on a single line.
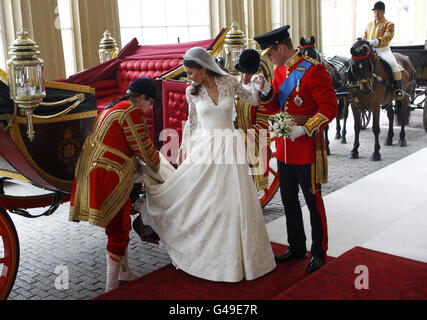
[[336, 67], [370, 83]]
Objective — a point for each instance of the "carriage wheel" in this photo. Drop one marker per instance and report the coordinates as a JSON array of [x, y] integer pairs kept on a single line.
[[365, 117], [273, 182], [9, 254], [425, 114]]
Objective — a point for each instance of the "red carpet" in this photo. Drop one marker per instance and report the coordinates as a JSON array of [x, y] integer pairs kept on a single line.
[[168, 283], [390, 278]]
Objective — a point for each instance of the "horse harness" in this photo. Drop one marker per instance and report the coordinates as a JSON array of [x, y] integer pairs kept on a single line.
[[335, 65], [373, 59]]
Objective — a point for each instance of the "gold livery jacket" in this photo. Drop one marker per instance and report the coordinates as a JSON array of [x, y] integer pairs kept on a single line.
[[383, 30], [104, 172]]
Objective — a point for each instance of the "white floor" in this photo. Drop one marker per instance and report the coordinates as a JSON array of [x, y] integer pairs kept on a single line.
[[385, 211]]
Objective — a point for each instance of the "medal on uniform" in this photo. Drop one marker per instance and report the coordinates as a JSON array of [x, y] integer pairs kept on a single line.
[[298, 100]]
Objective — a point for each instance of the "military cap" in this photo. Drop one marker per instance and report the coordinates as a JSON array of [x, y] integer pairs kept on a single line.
[[269, 39]]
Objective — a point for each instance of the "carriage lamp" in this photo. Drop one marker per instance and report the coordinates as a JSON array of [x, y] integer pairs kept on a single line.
[[26, 77], [235, 43], [107, 48]]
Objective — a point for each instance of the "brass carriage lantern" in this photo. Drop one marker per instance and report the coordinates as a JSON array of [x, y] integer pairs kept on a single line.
[[235, 43], [107, 48], [26, 77]]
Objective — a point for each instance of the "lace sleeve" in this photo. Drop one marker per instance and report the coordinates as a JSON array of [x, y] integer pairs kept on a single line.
[[250, 96], [190, 126]]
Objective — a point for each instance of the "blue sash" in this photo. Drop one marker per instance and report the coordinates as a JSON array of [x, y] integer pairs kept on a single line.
[[292, 81]]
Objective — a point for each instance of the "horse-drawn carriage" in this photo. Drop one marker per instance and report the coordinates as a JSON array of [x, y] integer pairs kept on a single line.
[[63, 121], [366, 81], [418, 56]]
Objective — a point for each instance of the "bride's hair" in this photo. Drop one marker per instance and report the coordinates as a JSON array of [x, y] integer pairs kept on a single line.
[[192, 64]]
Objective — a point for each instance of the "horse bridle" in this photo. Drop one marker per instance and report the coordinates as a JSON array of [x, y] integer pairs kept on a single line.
[[371, 77]]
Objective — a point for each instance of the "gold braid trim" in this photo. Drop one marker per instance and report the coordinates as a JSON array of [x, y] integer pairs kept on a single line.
[[114, 256], [91, 158], [144, 149], [244, 122], [313, 124], [310, 59]]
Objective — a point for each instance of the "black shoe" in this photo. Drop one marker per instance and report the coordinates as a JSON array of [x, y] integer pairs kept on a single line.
[[146, 233], [315, 264], [290, 255]]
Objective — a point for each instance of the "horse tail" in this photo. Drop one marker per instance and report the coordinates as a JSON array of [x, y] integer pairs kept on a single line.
[[402, 114]]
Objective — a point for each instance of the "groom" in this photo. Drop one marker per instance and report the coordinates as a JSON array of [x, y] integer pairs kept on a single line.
[[302, 88]]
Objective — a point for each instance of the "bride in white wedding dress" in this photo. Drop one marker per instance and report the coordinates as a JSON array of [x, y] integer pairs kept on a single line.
[[207, 213]]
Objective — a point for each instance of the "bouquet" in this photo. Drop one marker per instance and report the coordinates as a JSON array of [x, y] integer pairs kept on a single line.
[[281, 124]]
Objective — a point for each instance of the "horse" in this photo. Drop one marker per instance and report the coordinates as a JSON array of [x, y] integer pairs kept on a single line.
[[336, 68], [370, 81]]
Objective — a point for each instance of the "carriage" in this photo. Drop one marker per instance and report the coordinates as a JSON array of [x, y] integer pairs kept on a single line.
[[64, 118], [418, 56]]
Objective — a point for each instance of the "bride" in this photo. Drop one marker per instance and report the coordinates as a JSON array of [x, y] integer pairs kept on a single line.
[[207, 213]]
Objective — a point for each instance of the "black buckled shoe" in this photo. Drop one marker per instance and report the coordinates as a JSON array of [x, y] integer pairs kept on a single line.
[[289, 255], [315, 264], [146, 233]]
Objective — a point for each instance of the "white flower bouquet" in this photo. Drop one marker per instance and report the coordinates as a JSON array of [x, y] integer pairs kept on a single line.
[[281, 124]]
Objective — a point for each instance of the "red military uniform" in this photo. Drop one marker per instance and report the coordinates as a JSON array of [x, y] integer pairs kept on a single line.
[[319, 107], [302, 162], [105, 169]]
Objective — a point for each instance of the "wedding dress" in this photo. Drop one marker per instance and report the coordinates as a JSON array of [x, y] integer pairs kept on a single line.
[[207, 213]]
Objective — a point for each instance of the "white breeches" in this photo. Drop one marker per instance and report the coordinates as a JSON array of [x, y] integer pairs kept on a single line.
[[387, 55]]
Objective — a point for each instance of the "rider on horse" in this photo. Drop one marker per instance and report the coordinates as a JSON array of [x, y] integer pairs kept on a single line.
[[379, 33]]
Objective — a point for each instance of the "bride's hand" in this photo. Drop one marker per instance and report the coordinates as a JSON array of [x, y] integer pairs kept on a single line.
[[261, 84]]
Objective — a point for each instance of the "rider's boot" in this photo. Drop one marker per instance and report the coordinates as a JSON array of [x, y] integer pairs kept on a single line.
[[398, 93]]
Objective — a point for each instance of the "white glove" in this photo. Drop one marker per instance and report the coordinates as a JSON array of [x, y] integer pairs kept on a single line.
[[138, 176], [374, 43], [297, 132], [261, 84]]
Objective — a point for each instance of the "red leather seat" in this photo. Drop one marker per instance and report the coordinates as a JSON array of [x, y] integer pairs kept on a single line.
[[127, 71]]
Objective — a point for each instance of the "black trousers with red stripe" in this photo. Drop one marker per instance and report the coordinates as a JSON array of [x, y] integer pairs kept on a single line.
[[290, 178]]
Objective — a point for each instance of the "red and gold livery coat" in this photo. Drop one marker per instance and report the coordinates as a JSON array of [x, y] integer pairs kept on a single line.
[[313, 104], [106, 166]]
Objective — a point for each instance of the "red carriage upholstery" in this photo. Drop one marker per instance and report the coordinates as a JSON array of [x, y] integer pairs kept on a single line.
[[127, 71], [112, 78], [175, 106]]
